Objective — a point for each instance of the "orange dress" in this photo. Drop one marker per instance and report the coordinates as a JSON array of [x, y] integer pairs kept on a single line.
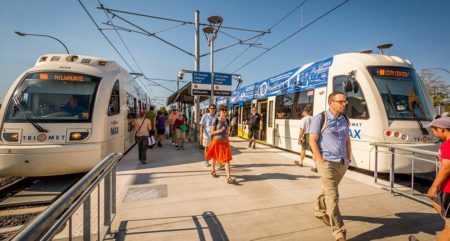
[[220, 149]]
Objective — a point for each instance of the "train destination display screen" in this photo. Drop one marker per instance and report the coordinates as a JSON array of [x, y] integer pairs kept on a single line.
[[61, 76], [402, 92]]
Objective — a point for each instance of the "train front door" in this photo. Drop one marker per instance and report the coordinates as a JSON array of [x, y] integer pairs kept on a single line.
[[262, 110]]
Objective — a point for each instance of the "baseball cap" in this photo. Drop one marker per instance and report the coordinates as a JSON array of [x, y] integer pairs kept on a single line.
[[441, 122]]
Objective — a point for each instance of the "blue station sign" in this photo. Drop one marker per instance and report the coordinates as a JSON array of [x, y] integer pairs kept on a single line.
[[222, 84], [201, 83]]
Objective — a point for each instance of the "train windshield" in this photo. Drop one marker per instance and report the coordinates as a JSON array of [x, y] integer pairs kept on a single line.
[[402, 93], [53, 97]]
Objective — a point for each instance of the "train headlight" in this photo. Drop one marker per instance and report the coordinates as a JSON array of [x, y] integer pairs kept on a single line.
[[397, 134], [78, 136], [11, 137]]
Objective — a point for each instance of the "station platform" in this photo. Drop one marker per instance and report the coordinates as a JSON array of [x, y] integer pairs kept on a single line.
[[174, 197]]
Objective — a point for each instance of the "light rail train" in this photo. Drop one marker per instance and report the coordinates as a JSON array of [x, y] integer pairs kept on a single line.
[[65, 114], [387, 102]]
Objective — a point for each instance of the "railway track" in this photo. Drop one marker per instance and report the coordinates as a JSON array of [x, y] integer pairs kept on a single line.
[[23, 199]]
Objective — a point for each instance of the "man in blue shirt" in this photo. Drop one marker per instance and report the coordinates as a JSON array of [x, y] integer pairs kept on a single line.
[[73, 107], [332, 151]]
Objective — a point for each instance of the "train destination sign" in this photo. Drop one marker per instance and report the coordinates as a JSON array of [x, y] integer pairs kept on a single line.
[[59, 76], [395, 72]]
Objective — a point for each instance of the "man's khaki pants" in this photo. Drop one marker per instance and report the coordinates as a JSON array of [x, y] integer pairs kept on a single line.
[[331, 174]]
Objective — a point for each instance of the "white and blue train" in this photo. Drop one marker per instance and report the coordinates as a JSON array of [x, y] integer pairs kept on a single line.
[[387, 102], [65, 114]]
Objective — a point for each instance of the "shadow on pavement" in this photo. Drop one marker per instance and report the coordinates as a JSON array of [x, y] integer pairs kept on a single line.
[[239, 166], [392, 227], [214, 226], [271, 176]]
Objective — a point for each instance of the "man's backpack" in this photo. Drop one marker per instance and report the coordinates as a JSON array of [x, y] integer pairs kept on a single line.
[[324, 120]]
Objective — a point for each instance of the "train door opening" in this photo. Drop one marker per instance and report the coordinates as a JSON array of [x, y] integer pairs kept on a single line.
[[262, 110], [245, 112]]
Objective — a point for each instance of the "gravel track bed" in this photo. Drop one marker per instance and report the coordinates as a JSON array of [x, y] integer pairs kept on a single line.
[[7, 180]]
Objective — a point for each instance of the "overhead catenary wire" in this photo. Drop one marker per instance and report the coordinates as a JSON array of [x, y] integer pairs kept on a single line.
[[126, 47], [114, 47], [147, 33], [293, 34], [107, 39], [182, 21], [152, 34], [270, 29]]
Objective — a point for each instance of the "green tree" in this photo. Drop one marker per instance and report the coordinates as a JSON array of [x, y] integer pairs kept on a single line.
[[163, 110], [438, 88]]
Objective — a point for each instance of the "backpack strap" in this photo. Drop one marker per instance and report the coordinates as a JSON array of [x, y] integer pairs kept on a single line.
[[346, 119], [324, 120]]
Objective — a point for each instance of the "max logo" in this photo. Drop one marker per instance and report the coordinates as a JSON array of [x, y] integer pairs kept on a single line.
[[114, 130], [354, 134]]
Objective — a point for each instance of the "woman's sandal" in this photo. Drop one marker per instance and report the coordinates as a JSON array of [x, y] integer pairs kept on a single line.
[[214, 174], [231, 180]]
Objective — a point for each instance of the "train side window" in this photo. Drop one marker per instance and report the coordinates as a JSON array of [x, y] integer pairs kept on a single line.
[[357, 105], [284, 104], [114, 100], [290, 106], [302, 100]]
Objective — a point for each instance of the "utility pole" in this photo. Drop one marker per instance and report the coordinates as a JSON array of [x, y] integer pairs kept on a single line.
[[197, 68]]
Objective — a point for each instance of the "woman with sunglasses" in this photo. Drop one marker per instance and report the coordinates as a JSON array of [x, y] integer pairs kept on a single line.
[[220, 150]]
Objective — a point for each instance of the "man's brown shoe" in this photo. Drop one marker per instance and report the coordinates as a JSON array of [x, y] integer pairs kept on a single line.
[[325, 219]]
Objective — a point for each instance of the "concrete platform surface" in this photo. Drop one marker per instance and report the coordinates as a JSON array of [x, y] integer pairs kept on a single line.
[[174, 197]]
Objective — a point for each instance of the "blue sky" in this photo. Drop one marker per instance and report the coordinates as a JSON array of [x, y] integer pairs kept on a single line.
[[418, 29]]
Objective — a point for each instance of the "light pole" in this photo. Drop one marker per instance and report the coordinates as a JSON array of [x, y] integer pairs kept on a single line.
[[41, 35], [211, 35]]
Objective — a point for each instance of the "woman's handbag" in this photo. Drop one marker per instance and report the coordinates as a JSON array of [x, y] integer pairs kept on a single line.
[[151, 141], [443, 199]]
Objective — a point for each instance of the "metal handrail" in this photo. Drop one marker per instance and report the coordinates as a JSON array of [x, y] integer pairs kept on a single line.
[[47, 224], [392, 148]]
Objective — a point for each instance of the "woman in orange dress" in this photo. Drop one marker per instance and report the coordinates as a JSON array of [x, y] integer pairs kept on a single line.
[[220, 150]]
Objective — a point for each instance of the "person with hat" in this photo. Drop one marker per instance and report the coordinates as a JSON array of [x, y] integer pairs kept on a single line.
[[180, 131], [439, 191]]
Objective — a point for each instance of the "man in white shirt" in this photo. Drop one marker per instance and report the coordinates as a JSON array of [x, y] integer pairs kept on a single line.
[[303, 137], [206, 123]]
